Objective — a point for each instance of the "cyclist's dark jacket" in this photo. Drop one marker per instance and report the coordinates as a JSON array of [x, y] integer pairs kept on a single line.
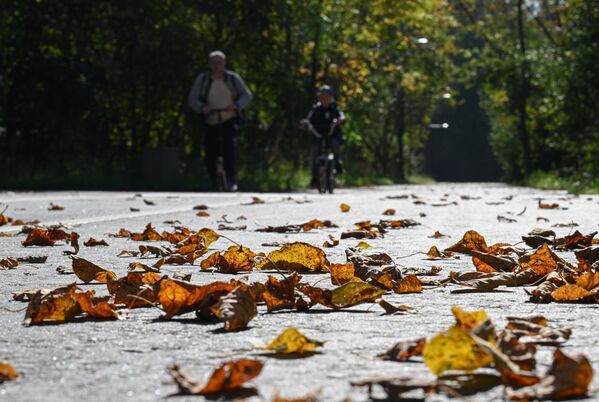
[[321, 118]]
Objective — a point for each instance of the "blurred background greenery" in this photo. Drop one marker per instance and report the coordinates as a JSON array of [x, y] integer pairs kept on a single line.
[[93, 93]]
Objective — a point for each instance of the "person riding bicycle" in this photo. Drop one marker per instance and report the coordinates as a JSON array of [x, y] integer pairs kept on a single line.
[[324, 114], [219, 96]]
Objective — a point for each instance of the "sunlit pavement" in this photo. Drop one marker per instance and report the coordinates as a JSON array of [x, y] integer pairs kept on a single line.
[[126, 360]]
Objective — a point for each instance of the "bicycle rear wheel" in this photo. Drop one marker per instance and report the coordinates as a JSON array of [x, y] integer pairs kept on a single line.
[[322, 179], [330, 171]]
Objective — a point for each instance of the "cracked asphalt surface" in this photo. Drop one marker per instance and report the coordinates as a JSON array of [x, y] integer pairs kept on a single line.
[[125, 360]]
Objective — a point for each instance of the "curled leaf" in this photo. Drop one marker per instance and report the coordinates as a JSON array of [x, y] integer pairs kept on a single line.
[[291, 341], [88, 271], [296, 256], [236, 309]]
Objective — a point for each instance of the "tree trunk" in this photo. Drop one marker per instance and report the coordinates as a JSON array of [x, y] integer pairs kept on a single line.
[[523, 95]]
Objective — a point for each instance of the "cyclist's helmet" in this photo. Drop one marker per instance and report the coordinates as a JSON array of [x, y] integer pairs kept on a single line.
[[325, 89]]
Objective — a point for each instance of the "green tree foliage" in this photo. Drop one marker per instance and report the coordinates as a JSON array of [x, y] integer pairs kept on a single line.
[[535, 67]]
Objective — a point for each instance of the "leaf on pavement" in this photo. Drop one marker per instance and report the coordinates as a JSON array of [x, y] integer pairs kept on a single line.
[[389, 211], [280, 294], [317, 295], [363, 245], [88, 271], [434, 254], [486, 262], [332, 242], [543, 205], [91, 242], [7, 372], [574, 294], [542, 261], [568, 378], [135, 289], [235, 259], [228, 377], [471, 240], [296, 256], [353, 293], [236, 309], [575, 241], [395, 310], [39, 237], [487, 282], [437, 235], [404, 350], [179, 297], [469, 320], [344, 207], [454, 350], [407, 284], [343, 273], [8, 263], [96, 307], [291, 341]]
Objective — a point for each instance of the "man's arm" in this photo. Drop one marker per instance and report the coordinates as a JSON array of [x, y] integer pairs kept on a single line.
[[193, 100], [245, 96]]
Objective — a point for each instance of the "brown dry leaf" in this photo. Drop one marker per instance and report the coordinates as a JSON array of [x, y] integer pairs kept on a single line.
[[575, 241], [542, 261], [404, 350], [55, 207], [543, 205], [91, 242], [317, 224], [361, 234], [97, 307], [200, 207], [296, 256], [293, 342], [437, 235], [209, 236], [486, 262], [389, 211], [236, 309], [434, 254], [395, 310], [8, 263], [343, 273], [587, 258], [280, 295], [344, 207], [39, 237], [74, 240], [179, 297], [235, 259], [574, 294], [332, 242], [228, 377], [542, 293], [408, 284], [317, 295], [135, 289], [487, 282], [568, 378], [588, 280], [399, 223], [88, 271], [202, 214], [7, 372], [57, 306], [471, 240]]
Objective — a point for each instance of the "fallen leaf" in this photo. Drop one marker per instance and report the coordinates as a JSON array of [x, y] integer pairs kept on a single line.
[[407, 284], [353, 293], [363, 245], [389, 211], [235, 259], [437, 235], [471, 240], [575, 241], [542, 261], [404, 350], [296, 256], [332, 242], [434, 254], [228, 377], [291, 341], [135, 289], [569, 377], [38, 237], [202, 214], [454, 350], [8, 263], [469, 320], [33, 259], [344, 207], [55, 207], [317, 295], [236, 309], [486, 262], [91, 242], [543, 205], [343, 273], [279, 295], [394, 310], [488, 281], [179, 297], [200, 207], [88, 271], [97, 307], [7, 372], [574, 294]]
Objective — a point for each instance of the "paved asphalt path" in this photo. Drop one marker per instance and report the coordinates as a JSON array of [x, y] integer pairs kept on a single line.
[[126, 360]]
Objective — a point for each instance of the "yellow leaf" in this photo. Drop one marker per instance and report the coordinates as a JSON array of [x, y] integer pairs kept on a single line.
[[454, 350], [353, 293], [208, 235], [468, 320], [363, 245], [293, 341], [88, 271], [296, 256], [344, 207]]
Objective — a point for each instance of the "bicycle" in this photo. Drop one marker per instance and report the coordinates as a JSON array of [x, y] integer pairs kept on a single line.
[[325, 161]]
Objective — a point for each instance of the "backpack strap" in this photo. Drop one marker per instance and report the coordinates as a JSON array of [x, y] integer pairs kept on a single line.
[[205, 85]]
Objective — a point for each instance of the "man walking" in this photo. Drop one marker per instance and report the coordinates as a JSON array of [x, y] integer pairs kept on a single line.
[[219, 96]]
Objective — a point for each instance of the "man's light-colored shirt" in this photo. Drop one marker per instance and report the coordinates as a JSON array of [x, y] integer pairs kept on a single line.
[[219, 97]]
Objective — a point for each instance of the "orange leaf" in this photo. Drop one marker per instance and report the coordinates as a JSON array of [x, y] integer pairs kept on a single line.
[[471, 240], [93, 243], [97, 307], [39, 237], [280, 295], [7, 372], [88, 271], [57, 306], [402, 351], [389, 211], [236, 309], [228, 377], [342, 273], [137, 284], [408, 284], [573, 293], [178, 297], [542, 261]]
